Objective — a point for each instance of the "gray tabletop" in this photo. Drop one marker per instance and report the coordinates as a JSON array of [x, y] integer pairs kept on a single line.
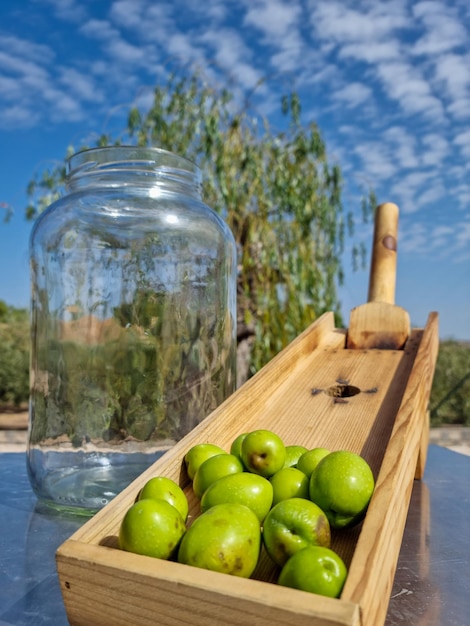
[[432, 582]]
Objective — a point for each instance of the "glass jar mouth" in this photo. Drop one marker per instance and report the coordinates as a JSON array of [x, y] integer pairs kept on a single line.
[[105, 163]]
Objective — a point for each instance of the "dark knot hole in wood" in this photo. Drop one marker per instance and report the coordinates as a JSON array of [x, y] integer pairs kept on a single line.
[[342, 391]]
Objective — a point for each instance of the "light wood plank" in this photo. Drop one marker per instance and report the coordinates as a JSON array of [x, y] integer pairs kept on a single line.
[[101, 587], [375, 558]]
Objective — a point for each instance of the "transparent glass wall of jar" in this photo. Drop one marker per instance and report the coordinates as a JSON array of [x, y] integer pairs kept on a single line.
[[133, 315]]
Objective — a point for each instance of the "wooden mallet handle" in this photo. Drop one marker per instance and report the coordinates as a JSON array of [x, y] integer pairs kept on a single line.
[[383, 268]]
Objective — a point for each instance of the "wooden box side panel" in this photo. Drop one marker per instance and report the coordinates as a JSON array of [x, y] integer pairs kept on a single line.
[[375, 559], [98, 591]]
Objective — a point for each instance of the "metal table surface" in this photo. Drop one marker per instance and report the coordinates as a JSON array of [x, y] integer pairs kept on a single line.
[[432, 582]]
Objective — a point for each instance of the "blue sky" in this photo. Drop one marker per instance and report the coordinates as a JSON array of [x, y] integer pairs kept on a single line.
[[388, 83]]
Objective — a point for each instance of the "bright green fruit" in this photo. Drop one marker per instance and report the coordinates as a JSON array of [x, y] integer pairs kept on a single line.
[[292, 525], [214, 468], [263, 452], [293, 454], [289, 482], [198, 454], [226, 538], [153, 528], [342, 485], [236, 447], [163, 488], [310, 459], [253, 491], [315, 569]]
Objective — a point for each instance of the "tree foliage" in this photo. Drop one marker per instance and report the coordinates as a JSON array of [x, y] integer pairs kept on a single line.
[[276, 190], [450, 397], [14, 355], [450, 394]]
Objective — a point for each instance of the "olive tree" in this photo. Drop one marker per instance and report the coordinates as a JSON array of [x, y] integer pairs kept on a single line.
[[275, 189]]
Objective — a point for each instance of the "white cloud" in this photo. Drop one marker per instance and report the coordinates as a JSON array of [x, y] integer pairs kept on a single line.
[[414, 238], [81, 85], [342, 24], [29, 86], [422, 239], [183, 46], [19, 116], [403, 146], [274, 18], [460, 108], [431, 194], [416, 179], [376, 161], [371, 52], [405, 84], [463, 239], [216, 10], [122, 51], [452, 75], [99, 68], [279, 24], [324, 72], [10, 88], [145, 21], [419, 190], [228, 45], [373, 33], [68, 10], [443, 231], [22, 70], [232, 56], [443, 32], [290, 55], [127, 13], [462, 140], [435, 149], [66, 106], [21, 48], [459, 188], [117, 48], [353, 95], [100, 30]]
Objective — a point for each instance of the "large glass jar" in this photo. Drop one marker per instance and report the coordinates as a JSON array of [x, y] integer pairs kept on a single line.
[[133, 315]]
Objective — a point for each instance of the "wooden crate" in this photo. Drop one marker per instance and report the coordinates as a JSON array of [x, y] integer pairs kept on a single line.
[[386, 422]]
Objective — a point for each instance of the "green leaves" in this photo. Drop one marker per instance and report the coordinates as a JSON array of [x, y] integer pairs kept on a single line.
[[14, 362], [450, 396]]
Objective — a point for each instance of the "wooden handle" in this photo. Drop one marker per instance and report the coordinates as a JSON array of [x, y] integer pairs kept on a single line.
[[383, 268]]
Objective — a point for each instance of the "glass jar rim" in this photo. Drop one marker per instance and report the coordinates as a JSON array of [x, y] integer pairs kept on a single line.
[[129, 157], [144, 166]]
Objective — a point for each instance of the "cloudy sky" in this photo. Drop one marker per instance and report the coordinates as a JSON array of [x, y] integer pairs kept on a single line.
[[388, 82]]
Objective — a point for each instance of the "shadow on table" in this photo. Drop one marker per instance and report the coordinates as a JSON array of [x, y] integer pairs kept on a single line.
[[415, 599], [32, 594]]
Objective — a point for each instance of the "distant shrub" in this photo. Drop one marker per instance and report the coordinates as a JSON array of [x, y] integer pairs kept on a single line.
[[450, 396], [14, 355]]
